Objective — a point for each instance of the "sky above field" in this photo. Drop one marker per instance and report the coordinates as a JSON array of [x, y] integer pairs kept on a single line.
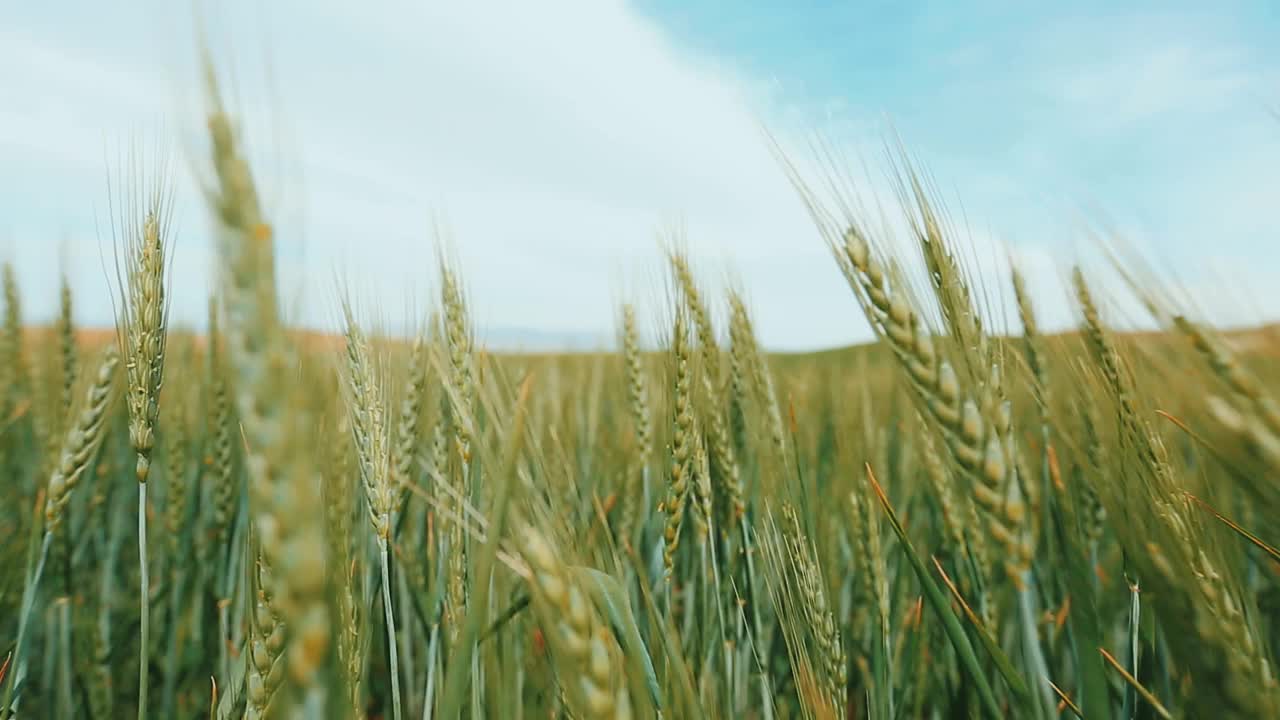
[[553, 145]]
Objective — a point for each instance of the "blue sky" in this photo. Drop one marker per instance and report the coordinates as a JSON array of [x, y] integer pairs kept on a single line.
[[554, 143], [1160, 115]]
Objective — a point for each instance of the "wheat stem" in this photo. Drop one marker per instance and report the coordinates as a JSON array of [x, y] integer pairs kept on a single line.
[[391, 629], [144, 595]]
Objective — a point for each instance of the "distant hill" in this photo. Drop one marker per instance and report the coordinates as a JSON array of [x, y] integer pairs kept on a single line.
[[519, 340], [497, 339], [1260, 340]]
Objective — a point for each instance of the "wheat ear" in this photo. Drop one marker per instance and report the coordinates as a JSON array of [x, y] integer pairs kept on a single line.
[[284, 486], [84, 436], [367, 408], [143, 335]]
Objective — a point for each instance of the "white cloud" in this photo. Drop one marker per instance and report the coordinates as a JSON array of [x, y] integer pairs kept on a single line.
[[554, 141], [1141, 84]]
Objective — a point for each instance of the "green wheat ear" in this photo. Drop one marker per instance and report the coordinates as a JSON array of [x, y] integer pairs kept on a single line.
[[142, 328], [371, 433]]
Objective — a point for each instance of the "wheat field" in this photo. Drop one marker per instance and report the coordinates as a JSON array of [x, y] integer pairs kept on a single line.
[[961, 519]]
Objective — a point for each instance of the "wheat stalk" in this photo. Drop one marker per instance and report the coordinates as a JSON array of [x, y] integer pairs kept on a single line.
[[284, 489], [84, 436], [142, 330], [682, 439], [370, 431], [641, 421], [461, 392]]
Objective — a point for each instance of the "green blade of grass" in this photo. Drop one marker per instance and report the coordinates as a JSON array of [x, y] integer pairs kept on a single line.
[[1003, 664], [1132, 682], [456, 680], [606, 592], [1083, 624], [677, 670], [938, 601]]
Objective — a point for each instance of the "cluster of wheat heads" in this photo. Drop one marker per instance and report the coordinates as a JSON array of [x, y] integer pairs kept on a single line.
[[961, 519]]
